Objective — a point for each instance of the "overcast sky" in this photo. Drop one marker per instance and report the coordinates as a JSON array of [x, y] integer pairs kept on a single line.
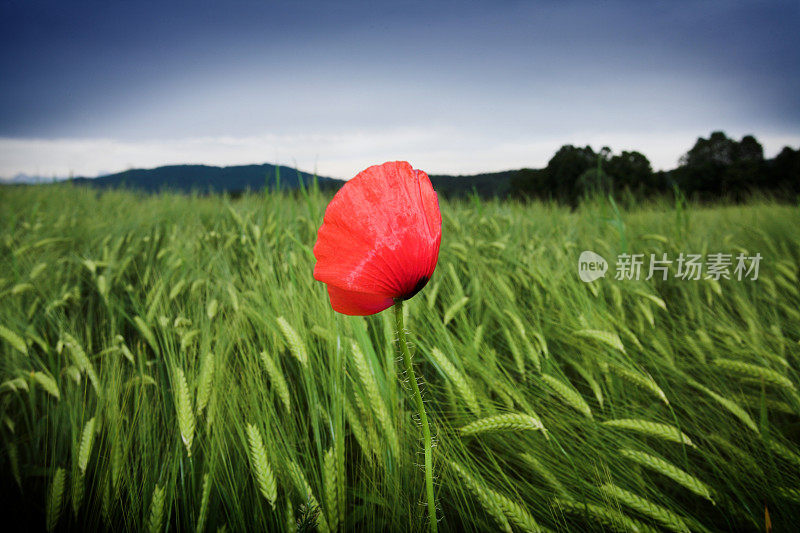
[[452, 87]]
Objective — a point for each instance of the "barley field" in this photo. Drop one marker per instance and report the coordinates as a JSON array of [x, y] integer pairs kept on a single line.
[[168, 363]]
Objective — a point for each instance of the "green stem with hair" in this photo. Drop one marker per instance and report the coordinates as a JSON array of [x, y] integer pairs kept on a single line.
[[423, 417]]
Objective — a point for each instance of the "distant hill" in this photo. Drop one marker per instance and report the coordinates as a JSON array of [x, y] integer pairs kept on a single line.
[[486, 185], [716, 168], [235, 179], [208, 179], [205, 179]]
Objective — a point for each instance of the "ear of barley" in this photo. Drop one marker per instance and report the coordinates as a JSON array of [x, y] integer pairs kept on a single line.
[[74, 373], [341, 479], [479, 490], [82, 360], [775, 358], [330, 483], [730, 405], [431, 296], [658, 513], [456, 279], [47, 383], [21, 288], [205, 495], [296, 344], [647, 313], [17, 342], [603, 337], [85, 448], [375, 443], [611, 518], [755, 402], [508, 293], [156, 522], [15, 385], [568, 395], [653, 298], [358, 430], [323, 333], [695, 349], [516, 513], [477, 337], [55, 498], [142, 380], [211, 308], [276, 377], [123, 348], [505, 397], [156, 302], [670, 470], [291, 523], [507, 422], [516, 397], [654, 429], [542, 343], [147, 333], [205, 381], [260, 466], [36, 270], [519, 361], [458, 380], [102, 286], [787, 269], [233, 296], [183, 409], [188, 338], [454, 309], [789, 493], [518, 325], [759, 373], [117, 460], [630, 335], [176, 289], [644, 382], [533, 353], [105, 503], [589, 378], [375, 399], [76, 490], [784, 452], [307, 495]]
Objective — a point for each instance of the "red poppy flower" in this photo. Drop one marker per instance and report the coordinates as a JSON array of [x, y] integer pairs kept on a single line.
[[379, 240]]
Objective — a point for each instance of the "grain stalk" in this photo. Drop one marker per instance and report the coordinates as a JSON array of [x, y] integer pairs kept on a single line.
[[423, 417]]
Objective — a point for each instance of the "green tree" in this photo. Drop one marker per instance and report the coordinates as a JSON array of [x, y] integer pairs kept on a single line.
[[720, 165], [631, 170], [564, 169], [783, 173]]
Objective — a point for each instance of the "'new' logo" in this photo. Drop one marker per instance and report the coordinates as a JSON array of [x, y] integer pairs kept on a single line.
[[591, 266]]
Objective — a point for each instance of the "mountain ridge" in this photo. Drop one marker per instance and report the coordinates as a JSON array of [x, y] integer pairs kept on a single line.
[[203, 179], [208, 178]]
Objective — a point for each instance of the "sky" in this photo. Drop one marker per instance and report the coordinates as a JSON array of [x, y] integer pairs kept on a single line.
[[89, 88]]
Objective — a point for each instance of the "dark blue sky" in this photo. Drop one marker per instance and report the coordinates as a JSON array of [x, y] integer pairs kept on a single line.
[[451, 86]]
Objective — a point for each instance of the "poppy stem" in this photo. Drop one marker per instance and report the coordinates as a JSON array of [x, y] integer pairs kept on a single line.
[[423, 417]]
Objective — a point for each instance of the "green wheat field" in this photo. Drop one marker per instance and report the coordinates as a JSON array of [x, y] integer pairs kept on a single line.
[[168, 363]]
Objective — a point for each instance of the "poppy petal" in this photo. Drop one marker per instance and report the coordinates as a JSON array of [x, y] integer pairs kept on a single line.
[[357, 303], [381, 233]]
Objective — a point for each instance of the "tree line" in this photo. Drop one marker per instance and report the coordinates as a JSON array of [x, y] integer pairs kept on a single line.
[[718, 167]]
